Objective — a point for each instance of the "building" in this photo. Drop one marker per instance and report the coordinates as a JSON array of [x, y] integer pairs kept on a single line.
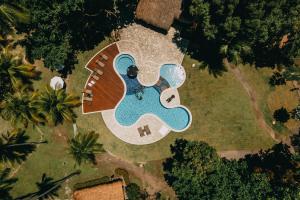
[[107, 191], [159, 13]]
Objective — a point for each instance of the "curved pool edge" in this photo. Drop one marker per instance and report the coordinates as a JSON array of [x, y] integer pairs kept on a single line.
[[149, 114]]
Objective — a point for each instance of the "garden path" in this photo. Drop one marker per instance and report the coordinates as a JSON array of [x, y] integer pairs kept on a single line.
[[253, 98], [150, 182]]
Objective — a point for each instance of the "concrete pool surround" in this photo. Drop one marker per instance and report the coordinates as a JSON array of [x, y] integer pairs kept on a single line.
[[149, 58]]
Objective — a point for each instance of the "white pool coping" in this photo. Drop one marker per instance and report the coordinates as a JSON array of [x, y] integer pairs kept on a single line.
[[148, 114], [117, 129]]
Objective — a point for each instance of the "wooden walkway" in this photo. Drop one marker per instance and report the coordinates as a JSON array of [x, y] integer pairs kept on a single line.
[[109, 89]]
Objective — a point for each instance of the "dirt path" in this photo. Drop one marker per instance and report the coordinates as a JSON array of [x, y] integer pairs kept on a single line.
[[253, 98], [151, 183]]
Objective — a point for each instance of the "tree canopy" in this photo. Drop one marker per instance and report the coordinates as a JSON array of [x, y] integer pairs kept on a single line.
[[12, 15], [265, 33], [195, 171], [60, 28]]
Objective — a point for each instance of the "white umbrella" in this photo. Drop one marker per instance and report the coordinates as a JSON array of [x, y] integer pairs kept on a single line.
[[57, 83]]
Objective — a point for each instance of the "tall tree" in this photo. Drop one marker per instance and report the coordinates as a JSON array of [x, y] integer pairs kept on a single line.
[[15, 147], [84, 146], [6, 184], [195, 171], [57, 106], [56, 36], [19, 108], [14, 75], [12, 15], [250, 31]]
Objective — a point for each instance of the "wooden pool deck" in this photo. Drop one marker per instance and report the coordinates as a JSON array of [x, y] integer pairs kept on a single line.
[[109, 89]]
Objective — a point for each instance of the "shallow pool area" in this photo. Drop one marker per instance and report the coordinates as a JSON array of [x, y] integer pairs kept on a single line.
[[140, 100], [174, 74]]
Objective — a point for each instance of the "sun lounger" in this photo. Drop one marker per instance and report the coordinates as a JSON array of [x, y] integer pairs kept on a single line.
[[101, 64], [104, 56], [93, 82], [98, 71], [87, 99], [141, 131], [95, 77], [90, 84], [87, 91], [147, 130]]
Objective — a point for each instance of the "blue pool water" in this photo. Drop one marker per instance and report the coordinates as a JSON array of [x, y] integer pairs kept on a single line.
[[173, 74], [131, 109]]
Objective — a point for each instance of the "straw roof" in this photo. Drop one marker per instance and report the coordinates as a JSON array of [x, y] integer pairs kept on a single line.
[[159, 13], [109, 191]]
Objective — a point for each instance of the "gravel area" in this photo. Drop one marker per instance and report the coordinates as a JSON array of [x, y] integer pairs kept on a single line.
[[155, 49]]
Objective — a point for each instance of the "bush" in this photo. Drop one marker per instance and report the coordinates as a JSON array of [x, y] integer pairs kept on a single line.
[[124, 174], [92, 183], [281, 115], [133, 192], [296, 113], [277, 79]]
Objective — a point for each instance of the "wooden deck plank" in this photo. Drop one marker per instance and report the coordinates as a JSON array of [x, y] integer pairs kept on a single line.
[[109, 89]]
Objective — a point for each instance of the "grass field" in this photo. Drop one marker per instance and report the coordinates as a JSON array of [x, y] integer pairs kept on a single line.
[[215, 103], [272, 98], [222, 116]]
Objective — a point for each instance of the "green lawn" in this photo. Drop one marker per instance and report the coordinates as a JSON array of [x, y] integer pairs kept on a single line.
[[222, 116], [54, 160], [272, 98]]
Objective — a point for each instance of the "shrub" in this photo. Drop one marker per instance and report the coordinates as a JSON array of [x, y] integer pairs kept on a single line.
[[133, 192], [277, 79], [296, 113], [281, 115]]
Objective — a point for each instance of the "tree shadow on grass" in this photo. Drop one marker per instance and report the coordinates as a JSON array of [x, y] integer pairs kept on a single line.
[[199, 48], [210, 57], [47, 188]]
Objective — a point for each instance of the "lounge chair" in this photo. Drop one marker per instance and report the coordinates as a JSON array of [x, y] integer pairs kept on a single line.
[[147, 130], [141, 131], [93, 82], [104, 56], [98, 71], [87, 91], [101, 64], [90, 84], [87, 99], [95, 77]]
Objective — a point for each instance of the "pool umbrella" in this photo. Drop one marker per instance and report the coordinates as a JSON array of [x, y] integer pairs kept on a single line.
[[132, 71], [56, 83]]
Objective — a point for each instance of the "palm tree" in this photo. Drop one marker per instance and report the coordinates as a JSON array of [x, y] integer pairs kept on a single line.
[[14, 73], [84, 146], [57, 105], [19, 108], [6, 184], [12, 15], [14, 146]]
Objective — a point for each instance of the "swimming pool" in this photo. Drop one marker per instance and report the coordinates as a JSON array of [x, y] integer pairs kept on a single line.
[[174, 74], [131, 108]]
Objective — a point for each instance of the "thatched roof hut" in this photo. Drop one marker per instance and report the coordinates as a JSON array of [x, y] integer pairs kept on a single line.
[[108, 191], [159, 13]]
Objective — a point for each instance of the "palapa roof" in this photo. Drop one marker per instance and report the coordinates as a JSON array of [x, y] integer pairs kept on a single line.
[[109, 191], [159, 13]]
